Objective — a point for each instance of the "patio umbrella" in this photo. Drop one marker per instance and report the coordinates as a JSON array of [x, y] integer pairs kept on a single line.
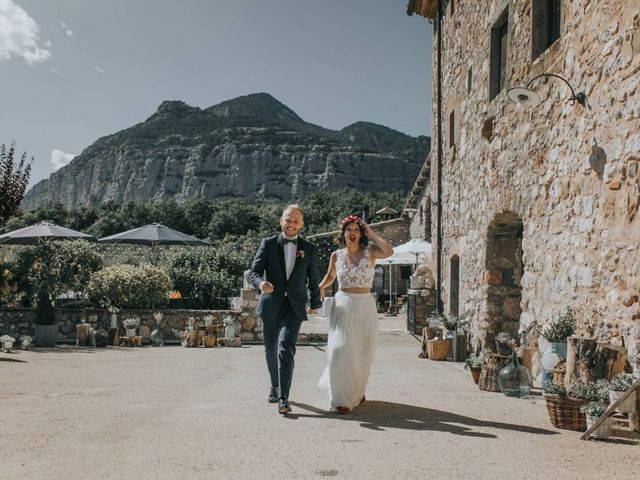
[[41, 233], [152, 235], [420, 248]]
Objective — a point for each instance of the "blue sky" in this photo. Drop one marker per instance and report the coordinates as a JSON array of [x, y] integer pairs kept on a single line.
[[75, 70]]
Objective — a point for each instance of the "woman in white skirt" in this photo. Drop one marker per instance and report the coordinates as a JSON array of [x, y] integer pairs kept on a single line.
[[353, 327]]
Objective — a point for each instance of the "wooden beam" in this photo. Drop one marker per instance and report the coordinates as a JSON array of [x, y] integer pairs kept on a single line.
[[611, 410]]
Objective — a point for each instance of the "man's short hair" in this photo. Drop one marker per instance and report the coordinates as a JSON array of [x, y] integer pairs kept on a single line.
[[292, 206]]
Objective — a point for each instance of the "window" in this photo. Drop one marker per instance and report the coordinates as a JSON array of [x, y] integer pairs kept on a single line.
[[452, 128], [454, 286], [545, 25], [499, 36], [469, 79]]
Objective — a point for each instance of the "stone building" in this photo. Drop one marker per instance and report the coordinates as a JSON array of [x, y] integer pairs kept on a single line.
[[539, 202]]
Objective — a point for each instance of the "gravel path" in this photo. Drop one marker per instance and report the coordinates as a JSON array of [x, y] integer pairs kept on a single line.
[[171, 413]]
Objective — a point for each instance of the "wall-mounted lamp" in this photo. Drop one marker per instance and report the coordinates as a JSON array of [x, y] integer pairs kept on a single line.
[[529, 98]]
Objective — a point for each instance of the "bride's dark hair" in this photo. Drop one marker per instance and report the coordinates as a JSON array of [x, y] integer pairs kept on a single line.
[[346, 221]]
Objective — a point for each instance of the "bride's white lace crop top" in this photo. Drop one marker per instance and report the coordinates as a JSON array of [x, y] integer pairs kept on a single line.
[[354, 276]]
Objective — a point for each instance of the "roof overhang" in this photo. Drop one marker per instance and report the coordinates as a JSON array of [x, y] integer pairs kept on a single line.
[[424, 8]]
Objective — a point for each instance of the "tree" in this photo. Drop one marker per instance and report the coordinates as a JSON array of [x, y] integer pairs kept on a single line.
[[13, 181], [54, 267]]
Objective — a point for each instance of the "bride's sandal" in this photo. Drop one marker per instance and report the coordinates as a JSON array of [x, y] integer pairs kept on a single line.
[[343, 410]]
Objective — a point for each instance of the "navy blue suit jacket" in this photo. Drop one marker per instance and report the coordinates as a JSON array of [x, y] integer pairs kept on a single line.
[[269, 265]]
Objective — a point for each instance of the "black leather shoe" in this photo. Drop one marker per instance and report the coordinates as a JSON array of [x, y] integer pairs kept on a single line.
[[284, 407], [273, 395]]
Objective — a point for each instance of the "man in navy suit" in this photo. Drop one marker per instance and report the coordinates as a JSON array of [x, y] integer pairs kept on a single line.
[[284, 268]]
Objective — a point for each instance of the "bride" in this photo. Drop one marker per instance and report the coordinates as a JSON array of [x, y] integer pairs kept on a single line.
[[353, 326]]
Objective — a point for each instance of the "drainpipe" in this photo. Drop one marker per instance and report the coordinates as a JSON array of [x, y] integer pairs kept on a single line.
[[439, 306]]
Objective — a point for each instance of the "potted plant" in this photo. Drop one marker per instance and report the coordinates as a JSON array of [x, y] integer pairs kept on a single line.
[[6, 342], [46, 271], [617, 386], [156, 338], [557, 333], [473, 363], [563, 405], [594, 411], [505, 343], [130, 325], [26, 341], [564, 412]]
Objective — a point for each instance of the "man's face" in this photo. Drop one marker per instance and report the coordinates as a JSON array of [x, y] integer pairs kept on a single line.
[[291, 222]]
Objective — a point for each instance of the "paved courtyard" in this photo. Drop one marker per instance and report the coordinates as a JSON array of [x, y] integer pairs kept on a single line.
[[172, 413]]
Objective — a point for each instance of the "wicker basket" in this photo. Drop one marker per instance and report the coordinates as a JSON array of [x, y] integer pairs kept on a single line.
[[437, 349], [565, 413]]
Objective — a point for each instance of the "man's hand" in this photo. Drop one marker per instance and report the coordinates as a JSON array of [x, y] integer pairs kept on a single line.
[[266, 287], [321, 294]]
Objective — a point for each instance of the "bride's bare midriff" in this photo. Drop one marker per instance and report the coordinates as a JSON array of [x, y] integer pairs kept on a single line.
[[355, 290]]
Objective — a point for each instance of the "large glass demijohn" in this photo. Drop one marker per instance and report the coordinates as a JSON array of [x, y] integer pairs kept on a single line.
[[514, 380]]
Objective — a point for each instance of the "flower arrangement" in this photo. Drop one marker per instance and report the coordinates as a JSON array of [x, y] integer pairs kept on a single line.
[[131, 323], [505, 343], [26, 341], [590, 392], [594, 409], [349, 219], [191, 322], [621, 382], [299, 253], [157, 316], [7, 342], [555, 389], [563, 328], [208, 320]]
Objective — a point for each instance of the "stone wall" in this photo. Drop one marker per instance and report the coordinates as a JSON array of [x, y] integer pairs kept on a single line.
[[20, 321], [541, 204]]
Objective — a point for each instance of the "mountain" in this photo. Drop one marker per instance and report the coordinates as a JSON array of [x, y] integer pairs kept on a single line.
[[251, 146]]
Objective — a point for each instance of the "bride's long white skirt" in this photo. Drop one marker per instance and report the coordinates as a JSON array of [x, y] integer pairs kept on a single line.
[[351, 347]]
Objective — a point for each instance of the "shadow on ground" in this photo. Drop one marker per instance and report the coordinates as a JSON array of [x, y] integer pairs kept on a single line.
[[379, 416]]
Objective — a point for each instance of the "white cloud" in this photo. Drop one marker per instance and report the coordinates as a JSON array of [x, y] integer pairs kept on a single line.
[[98, 69], [66, 29], [19, 35], [56, 71], [59, 159]]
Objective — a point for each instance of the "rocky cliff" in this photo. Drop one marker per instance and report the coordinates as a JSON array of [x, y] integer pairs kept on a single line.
[[252, 146]]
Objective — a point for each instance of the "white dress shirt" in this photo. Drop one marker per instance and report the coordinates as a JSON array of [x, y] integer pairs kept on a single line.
[[290, 256]]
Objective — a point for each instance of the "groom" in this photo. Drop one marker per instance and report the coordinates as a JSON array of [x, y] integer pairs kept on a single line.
[[284, 267]]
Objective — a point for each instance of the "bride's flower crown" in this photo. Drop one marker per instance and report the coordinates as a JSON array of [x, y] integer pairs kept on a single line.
[[350, 219]]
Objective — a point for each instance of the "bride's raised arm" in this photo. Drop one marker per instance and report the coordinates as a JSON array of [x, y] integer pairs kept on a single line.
[[380, 248]]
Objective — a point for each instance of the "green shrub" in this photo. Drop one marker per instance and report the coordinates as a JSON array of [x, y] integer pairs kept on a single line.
[[208, 277], [128, 286]]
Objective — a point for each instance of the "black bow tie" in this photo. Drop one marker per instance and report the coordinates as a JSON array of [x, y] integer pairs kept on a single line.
[[287, 240]]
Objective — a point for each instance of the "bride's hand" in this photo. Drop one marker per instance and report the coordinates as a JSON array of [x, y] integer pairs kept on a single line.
[[367, 230]]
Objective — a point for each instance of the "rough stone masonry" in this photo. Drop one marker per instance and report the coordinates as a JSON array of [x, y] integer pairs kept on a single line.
[[540, 204]]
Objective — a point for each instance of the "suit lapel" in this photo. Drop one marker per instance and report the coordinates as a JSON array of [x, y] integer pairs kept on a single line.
[[299, 248], [281, 261]]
